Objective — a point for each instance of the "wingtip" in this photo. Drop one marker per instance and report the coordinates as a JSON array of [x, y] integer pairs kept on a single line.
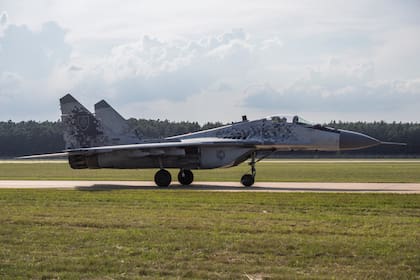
[[393, 143], [43, 156]]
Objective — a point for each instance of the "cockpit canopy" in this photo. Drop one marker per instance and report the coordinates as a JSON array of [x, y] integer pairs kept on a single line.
[[289, 119], [300, 121]]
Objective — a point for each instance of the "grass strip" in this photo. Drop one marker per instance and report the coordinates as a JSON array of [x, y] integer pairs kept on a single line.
[[125, 234], [381, 172]]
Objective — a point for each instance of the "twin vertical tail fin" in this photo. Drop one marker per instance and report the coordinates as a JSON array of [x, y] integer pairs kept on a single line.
[[117, 128], [82, 129]]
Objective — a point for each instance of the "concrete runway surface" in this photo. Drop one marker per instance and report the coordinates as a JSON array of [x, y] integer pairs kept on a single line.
[[217, 186]]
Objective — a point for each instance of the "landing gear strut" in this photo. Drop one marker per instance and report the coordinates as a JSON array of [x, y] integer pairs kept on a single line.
[[248, 179], [163, 178], [185, 177]]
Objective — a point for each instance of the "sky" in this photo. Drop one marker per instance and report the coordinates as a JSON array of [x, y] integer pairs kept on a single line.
[[212, 60]]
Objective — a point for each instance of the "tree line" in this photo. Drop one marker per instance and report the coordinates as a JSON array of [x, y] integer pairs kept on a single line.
[[31, 137]]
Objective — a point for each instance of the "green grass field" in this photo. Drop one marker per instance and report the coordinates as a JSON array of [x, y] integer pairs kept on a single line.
[[266, 171], [126, 234], [166, 234]]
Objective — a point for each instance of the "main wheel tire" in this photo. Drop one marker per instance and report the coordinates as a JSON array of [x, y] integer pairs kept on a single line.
[[247, 180], [163, 178], [185, 177]]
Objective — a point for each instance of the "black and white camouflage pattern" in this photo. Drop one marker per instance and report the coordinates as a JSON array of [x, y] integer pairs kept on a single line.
[[262, 131], [82, 129]]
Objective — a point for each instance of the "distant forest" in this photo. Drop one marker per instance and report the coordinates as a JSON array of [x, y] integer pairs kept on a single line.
[[30, 137]]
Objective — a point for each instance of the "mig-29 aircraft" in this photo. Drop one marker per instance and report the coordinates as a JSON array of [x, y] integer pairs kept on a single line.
[[105, 140]]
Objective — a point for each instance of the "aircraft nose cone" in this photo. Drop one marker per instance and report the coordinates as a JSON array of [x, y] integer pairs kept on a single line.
[[350, 140]]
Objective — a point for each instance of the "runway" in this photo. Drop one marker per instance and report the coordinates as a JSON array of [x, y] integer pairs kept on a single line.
[[216, 186]]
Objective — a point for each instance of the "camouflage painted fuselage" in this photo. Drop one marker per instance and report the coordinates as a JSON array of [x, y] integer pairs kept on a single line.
[[105, 140], [220, 147], [271, 134]]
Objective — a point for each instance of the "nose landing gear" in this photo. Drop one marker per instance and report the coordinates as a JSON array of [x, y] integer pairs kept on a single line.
[[248, 179]]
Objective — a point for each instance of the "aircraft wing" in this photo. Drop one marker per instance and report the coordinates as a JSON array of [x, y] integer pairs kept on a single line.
[[195, 142], [45, 156]]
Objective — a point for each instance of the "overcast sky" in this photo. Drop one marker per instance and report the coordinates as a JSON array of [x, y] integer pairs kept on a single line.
[[212, 60]]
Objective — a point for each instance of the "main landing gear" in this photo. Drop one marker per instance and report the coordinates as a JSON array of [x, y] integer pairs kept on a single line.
[[163, 178], [185, 177], [248, 179]]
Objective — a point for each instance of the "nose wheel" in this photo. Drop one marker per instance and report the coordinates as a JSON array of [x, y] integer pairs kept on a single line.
[[249, 179]]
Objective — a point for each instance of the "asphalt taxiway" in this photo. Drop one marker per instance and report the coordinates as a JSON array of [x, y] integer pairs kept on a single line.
[[217, 186]]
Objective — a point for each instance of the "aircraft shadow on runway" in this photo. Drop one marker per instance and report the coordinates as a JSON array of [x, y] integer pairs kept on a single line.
[[112, 187]]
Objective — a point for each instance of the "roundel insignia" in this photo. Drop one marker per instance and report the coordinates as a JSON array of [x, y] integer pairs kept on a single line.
[[83, 121], [220, 154]]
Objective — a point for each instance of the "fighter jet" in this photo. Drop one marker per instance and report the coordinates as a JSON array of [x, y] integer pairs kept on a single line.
[[105, 140]]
